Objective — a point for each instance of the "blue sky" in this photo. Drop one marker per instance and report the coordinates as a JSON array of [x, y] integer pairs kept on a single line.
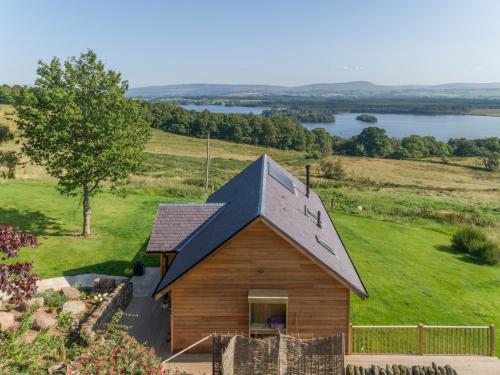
[[268, 42]]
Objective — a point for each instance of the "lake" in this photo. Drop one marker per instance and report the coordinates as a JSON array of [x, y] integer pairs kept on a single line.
[[442, 127]]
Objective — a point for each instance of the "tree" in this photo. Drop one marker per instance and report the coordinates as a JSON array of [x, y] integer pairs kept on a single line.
[[374, 142], [8, 159], [415, 146], [323, 141], [16, 280], [78, 123], [490, 159]]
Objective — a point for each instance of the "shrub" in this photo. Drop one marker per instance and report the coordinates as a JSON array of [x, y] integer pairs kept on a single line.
[[115, 352], [474, 242], [64, 320], [332, 169], [52, 298]]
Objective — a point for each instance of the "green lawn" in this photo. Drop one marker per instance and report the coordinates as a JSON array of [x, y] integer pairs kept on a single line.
[[413, 276], [120, 228], [402, 252], [411, 273]]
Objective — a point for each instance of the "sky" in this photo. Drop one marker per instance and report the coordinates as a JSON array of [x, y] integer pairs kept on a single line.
[[258, 42]]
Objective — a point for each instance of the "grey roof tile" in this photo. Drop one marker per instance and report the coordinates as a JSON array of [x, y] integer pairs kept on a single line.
[[255, 193]]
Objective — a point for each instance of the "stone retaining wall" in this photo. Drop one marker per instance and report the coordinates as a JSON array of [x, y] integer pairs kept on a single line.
[[118, 299], [400, 370]]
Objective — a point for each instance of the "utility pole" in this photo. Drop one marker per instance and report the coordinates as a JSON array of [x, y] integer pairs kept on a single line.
[[208, 161]]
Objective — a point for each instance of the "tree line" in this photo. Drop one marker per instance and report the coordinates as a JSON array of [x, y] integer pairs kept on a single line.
[[375, 142], [304, 113], [277, 130], [8, 93], [402, 105]]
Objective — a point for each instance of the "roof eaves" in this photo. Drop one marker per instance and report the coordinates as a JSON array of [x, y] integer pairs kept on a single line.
[[365, 292]]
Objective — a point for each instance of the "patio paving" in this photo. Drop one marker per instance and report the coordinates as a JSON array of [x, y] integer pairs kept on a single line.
[[147, 321], [84, 280]]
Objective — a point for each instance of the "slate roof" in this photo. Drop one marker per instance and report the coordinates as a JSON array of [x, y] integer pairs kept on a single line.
[[255, 193], [174, 224]]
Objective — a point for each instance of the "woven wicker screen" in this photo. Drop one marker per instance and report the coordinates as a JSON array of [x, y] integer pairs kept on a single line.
[[278, 355]]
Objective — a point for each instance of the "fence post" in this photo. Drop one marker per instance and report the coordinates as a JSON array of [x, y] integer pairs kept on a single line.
[[492, 340], [421, 339], [349, 339]]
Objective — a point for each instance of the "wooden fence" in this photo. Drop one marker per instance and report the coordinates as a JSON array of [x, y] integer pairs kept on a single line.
[[422, 339]]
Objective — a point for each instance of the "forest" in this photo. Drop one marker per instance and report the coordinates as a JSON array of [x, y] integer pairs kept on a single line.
[[304, 113]]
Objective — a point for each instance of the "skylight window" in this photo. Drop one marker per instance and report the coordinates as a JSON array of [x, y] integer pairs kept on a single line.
[[281, 177], [325, 245]]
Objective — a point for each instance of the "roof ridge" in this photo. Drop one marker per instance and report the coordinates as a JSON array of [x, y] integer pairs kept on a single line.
[[260, 209]]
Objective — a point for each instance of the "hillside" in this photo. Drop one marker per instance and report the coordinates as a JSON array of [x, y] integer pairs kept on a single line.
[[400, 241], [344, 89]]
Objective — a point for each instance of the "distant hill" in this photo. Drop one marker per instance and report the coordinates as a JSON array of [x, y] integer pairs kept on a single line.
[[345, 89]]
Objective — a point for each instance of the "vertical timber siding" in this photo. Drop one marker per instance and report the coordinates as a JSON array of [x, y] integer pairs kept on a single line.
[[213, 296]]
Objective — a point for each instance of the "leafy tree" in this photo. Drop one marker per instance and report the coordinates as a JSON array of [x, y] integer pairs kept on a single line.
[[490, 159], [463, 147], [78, 123], [323, 141], [374, 142], [415, 146], [8, 159], [16, 280]]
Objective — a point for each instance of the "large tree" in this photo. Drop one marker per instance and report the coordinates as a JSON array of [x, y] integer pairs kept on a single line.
[[78, 123]]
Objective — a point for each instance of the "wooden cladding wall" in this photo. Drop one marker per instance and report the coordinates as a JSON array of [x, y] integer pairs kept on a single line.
[[213, 296]]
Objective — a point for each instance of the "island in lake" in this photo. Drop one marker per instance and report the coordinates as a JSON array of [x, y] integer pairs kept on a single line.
[[367, 118]]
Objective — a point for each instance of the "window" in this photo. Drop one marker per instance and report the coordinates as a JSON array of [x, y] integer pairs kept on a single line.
[[281, 177], [267, 312]]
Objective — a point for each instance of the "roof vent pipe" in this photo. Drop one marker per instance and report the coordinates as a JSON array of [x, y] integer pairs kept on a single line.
[[308, 179], [319, 218]]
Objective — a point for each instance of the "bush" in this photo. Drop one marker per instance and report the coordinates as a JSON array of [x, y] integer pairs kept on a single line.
[[52, 298], [115, 352], [473, 241], [332, 169]]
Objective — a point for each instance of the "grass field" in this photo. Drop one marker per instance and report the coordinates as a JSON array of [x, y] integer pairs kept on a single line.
[[402, 252], [485, 112]]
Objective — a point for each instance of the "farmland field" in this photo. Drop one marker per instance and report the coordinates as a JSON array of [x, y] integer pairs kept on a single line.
[[399, 240]]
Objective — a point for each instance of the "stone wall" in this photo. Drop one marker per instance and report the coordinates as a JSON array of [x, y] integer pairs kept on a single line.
[[118, 299], [400, 370]]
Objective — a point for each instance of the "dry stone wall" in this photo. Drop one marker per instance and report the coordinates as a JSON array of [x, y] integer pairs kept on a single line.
[[118, 299]]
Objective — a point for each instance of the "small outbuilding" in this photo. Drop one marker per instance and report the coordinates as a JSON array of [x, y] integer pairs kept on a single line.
[[260, 257]]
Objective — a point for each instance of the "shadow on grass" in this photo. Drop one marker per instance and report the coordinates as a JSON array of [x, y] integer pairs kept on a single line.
[[462, 256], [117, 267], [34, 222]]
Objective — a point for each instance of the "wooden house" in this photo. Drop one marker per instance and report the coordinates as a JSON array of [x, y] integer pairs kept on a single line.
[[261, 256]]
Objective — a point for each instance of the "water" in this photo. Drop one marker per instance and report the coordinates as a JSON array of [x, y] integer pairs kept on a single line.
[[442, 127]]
